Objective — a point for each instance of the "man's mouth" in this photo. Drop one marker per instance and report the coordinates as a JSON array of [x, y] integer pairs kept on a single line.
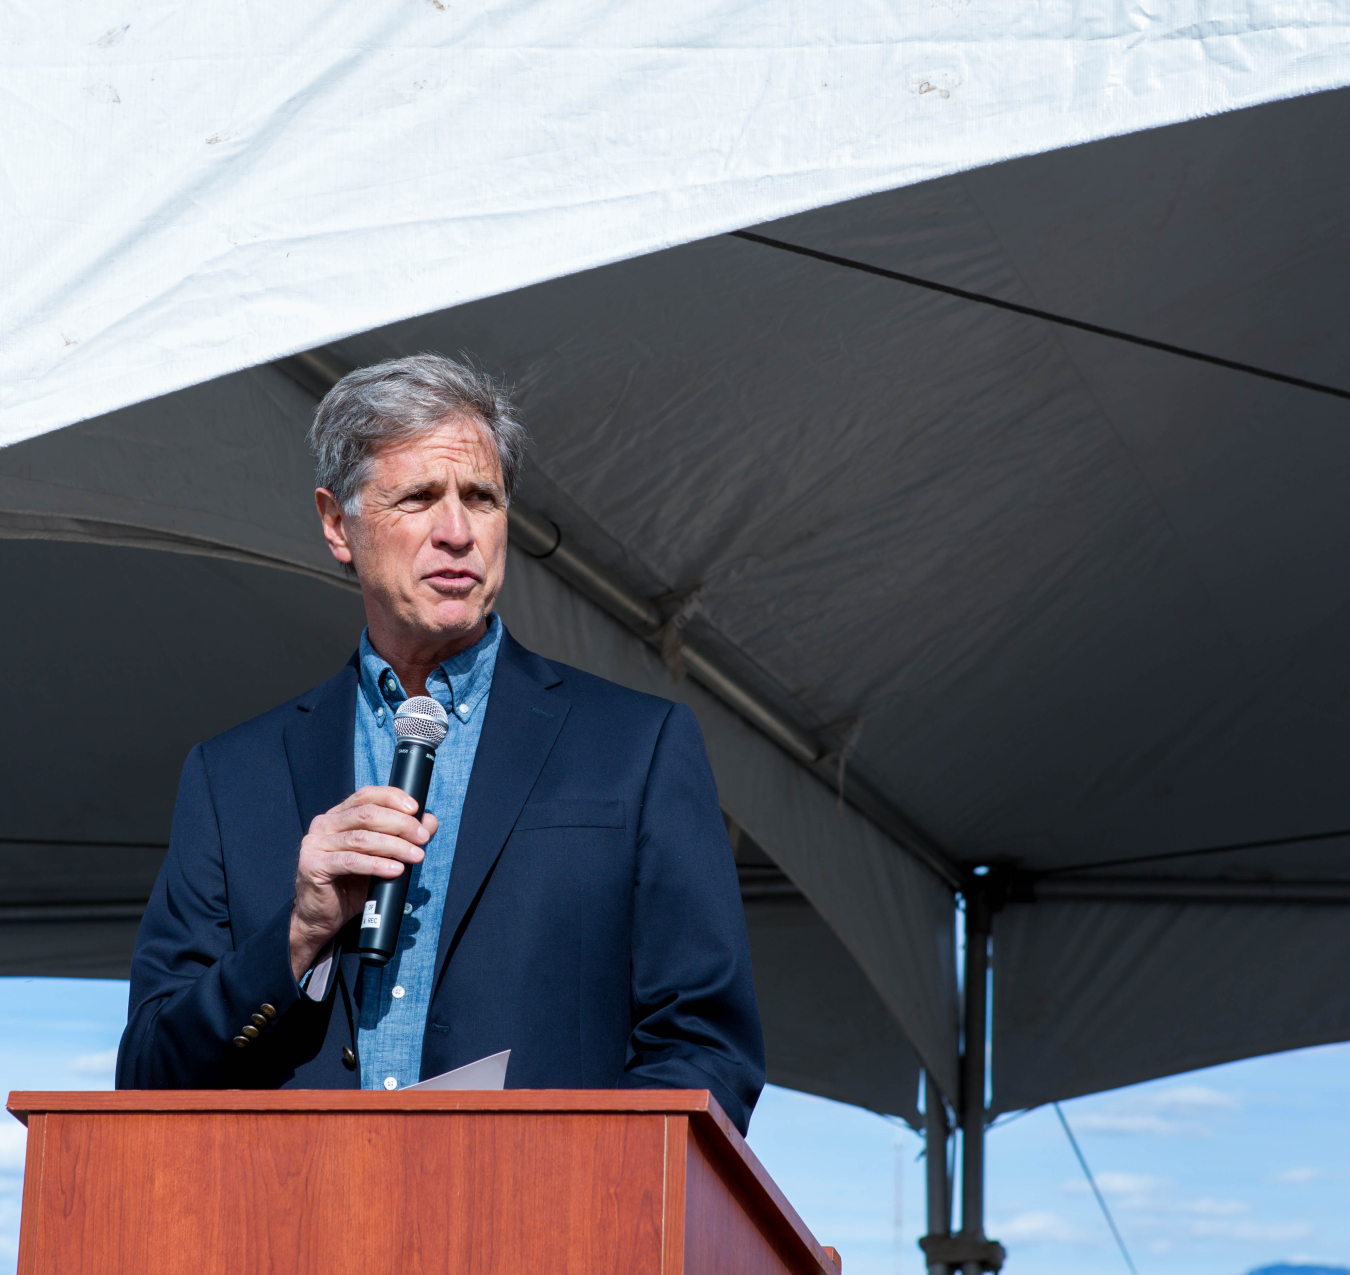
[[452, 579]]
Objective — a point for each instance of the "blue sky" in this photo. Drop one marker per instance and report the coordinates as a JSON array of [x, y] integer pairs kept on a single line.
[[1212, 1173]]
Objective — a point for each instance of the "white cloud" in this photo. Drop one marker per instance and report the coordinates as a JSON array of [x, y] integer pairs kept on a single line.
[[1215, 1208], [1130, 1183], [1192, 1100], [1278, 1232], [1159, 1220], [99, 1064], [10, 1208], [1132, 1186], [13, 1146], [1036, 1227], [1301, 1175], [1172, 1112], [1124, 1122], [1158, 1198]]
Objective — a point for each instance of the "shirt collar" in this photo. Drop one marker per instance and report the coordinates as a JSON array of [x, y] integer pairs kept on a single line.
[[461, 683]]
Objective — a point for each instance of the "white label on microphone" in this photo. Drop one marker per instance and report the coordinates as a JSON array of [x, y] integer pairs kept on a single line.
[[370, 919]]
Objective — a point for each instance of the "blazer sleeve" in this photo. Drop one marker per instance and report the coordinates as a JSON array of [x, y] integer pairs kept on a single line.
[[192, 988], [695, 1024]]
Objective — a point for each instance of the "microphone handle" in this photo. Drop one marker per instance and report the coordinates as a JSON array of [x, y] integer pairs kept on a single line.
[[383, 914]]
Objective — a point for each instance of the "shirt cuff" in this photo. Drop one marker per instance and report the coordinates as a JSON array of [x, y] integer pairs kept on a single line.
[[321, 972]]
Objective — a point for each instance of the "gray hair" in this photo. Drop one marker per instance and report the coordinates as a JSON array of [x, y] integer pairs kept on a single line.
[[399, 399]]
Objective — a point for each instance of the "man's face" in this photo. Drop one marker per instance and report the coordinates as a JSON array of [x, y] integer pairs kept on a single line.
[[429, 544]]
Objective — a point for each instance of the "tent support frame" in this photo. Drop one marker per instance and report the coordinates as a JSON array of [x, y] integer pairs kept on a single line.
[[978, 925], [968, 1251], [937, 1179]]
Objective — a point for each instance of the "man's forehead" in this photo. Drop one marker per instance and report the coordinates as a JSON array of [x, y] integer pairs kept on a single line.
[[460, 442]]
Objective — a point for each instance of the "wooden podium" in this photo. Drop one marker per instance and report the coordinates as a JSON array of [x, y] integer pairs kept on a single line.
[[322, 1182]]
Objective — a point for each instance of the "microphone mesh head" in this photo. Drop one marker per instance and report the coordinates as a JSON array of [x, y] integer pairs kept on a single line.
[[422, 719]]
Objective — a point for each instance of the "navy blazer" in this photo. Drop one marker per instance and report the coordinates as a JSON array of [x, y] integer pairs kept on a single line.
[[592, 925]]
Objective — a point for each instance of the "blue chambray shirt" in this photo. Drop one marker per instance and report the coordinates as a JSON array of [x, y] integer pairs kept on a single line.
[[395, 999]]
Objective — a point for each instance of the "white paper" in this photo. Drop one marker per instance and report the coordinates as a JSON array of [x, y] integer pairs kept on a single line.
[[486, 1073]]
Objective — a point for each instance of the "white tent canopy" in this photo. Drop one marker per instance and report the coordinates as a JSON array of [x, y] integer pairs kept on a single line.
[[191, 190], [1049, 602]]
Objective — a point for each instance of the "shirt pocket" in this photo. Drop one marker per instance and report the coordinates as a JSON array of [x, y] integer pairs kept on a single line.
[[571, 814]]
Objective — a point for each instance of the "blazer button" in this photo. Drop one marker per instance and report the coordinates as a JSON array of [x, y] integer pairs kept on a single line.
[[251, 1032], [240, 1042], [259, 1021], [348, 1058], [268, 1011]]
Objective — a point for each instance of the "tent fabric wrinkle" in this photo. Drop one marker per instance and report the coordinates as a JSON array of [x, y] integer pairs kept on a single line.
[[261, 215]]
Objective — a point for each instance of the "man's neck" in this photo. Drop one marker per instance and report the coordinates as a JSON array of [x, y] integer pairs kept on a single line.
[[415, 659]]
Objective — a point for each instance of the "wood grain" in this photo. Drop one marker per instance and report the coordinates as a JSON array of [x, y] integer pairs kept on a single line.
[[719, 1141], [677, 1143], [627, 1182], [369, 1193], [721, 1235], [32, 1173]]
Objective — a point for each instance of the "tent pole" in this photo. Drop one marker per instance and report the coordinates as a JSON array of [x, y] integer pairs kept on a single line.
[[968, 1251], [937, 1182], [972, 1075]]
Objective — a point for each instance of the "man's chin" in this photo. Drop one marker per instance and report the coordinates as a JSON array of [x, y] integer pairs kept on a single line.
[[451, 621]]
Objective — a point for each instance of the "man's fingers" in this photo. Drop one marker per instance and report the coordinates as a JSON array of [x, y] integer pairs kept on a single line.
[[378, 795], [397, 823], [349, 863], [366, 841]]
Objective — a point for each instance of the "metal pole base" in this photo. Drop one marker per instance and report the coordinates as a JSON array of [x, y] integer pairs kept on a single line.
[[971, 1254]]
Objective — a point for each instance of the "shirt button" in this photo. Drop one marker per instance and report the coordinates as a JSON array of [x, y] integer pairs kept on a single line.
[[407, 909], [398, 993], [463, 710], [390, 1082], [379, 712]]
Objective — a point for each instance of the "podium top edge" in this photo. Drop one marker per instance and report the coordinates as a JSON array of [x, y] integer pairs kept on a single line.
[[23, 1103]]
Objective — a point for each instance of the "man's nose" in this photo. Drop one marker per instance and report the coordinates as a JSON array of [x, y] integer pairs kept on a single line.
[[452, 528]]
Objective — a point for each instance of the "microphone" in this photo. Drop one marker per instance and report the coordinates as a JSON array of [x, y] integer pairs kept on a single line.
[[421, 725]]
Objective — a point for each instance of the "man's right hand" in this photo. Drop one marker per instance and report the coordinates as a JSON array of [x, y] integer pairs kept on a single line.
[[373, 833]]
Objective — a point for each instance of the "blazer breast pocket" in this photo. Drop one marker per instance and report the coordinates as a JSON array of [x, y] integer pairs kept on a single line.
[[571, 814]]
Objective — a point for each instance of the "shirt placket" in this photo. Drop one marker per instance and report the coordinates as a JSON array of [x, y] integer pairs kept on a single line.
[[398, 1040]]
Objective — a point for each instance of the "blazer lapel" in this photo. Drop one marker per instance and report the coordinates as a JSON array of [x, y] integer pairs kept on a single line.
[[320, 740], [523, 720]]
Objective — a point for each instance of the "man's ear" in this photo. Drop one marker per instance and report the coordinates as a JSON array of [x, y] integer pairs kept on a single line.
[[335, 525]]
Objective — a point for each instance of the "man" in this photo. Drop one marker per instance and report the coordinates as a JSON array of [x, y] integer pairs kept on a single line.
[[572, 895]]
